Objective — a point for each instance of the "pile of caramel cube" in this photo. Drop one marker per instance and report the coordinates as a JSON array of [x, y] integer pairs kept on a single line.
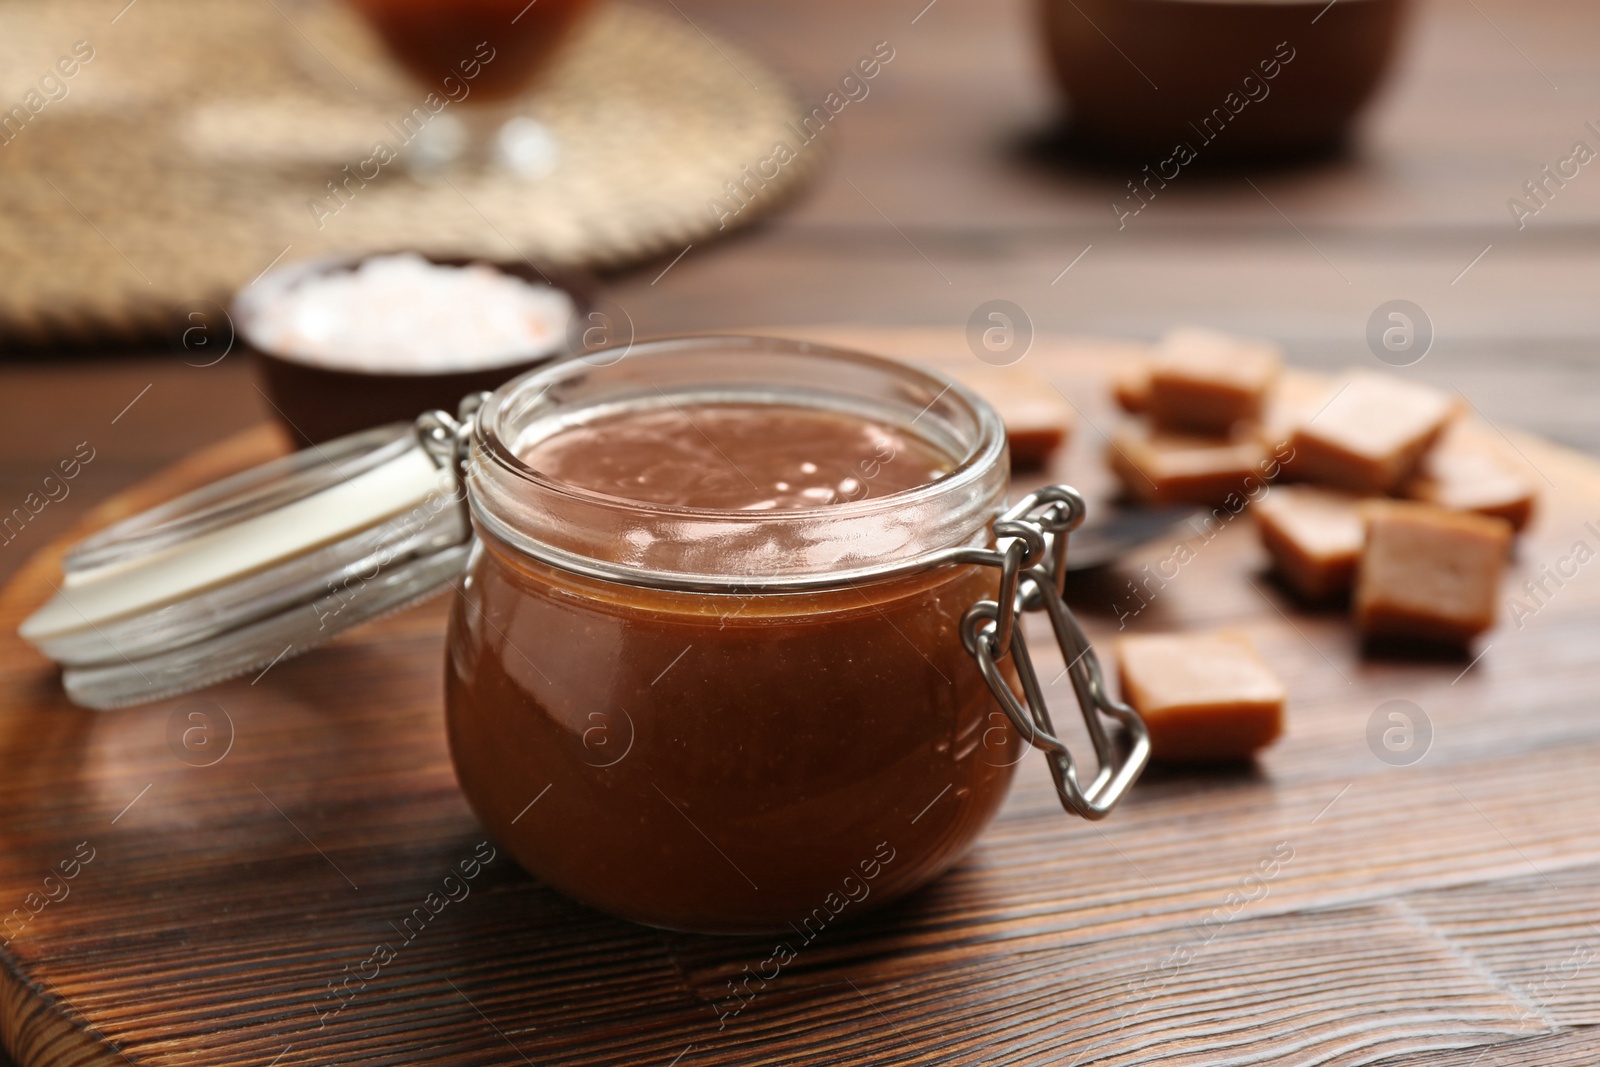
[[1371, 488]]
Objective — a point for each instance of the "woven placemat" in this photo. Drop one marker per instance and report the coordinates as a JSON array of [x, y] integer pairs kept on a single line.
[[186, 154]]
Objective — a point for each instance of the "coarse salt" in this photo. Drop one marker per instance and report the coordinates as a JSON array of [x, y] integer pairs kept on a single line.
[[404, 314]]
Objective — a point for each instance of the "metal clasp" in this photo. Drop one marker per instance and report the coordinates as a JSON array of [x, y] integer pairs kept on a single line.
[[448, 441], [1031, 553]]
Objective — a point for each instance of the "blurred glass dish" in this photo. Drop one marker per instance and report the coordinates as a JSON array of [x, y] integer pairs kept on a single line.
[[492, 50], [1177, 80], [431, 55]]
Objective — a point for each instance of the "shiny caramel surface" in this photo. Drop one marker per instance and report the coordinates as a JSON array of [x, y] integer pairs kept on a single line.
[[737, 456]]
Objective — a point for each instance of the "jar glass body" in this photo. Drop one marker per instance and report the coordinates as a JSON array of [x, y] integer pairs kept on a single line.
[[732, 722]]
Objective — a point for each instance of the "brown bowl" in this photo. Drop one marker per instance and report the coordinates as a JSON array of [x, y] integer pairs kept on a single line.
[[1269, 78], [317, 403]]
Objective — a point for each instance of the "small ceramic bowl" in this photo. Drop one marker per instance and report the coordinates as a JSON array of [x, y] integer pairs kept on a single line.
[[317, 402], [1239, 79]]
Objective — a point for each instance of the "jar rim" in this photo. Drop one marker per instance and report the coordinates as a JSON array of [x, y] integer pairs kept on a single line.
[[984, 452], [973, 489]]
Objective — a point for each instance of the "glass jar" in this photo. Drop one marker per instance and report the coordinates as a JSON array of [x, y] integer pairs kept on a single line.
[[730, 721]]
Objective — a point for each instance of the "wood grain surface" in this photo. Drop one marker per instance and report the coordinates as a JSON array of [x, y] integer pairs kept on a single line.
[[1437, 913]]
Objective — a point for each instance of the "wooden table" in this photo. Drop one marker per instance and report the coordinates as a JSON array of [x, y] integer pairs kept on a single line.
[[933, 202]]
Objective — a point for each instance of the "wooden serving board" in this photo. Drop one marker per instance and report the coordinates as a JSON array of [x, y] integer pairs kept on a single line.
[[1321, 907]]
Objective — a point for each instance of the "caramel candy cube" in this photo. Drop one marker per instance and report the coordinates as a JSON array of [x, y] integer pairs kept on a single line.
[[1130, 386], [1295, 398], [1164, 468], [1469, 470], [1314, 536], [1037, 417], [1204, 697], [1370, 434], [1428, 573], [1206, 382]]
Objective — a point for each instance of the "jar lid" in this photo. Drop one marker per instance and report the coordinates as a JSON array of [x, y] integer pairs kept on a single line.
[[240, 574]]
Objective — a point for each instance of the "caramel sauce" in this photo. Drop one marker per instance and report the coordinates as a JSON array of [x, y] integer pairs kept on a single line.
[[715, 762], [497, 46], [738, 457]]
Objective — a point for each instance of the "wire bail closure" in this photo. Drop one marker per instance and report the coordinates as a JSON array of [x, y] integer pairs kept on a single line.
[[1031, 554]]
